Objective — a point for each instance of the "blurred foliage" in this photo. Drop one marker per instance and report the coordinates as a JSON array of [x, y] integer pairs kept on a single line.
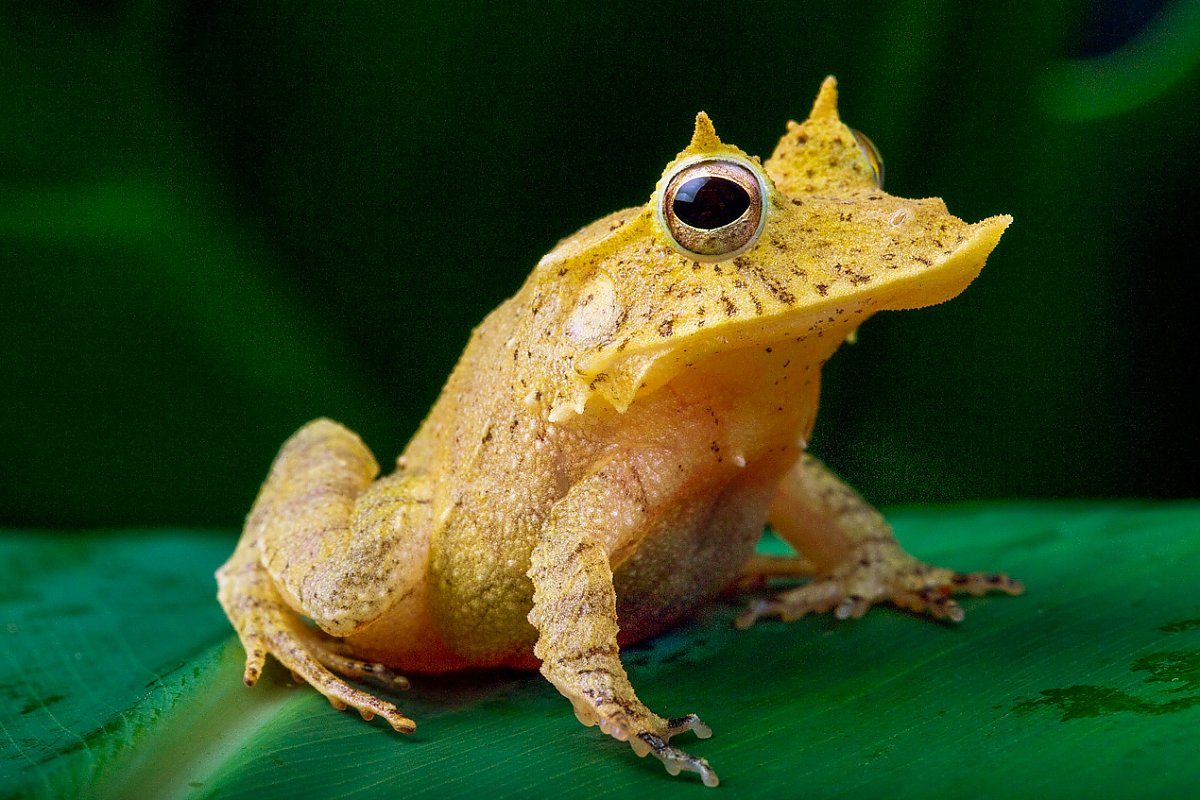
[[220, 220]]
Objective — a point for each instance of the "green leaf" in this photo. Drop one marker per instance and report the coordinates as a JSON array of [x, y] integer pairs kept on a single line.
[[120, 678]]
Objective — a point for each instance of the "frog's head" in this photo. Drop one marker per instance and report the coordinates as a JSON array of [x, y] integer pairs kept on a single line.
[[733, 253]]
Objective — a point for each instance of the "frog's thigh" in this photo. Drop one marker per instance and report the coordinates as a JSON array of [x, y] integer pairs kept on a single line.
[[340, 549], [326, 541]]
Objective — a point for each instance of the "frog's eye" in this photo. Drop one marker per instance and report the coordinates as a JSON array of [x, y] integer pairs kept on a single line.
[[713, 209], [871, 152]]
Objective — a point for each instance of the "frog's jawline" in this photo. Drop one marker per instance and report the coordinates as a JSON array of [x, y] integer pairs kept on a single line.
[[622, 377]]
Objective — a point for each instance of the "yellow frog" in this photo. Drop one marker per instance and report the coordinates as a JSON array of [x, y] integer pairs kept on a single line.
[[602, 460]]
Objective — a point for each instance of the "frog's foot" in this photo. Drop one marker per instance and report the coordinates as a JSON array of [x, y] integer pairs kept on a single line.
[[881, 574], [313, 661], [648, 734], [265, 625]]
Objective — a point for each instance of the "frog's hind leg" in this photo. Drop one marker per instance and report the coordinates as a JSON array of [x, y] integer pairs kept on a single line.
[[265, 624], [325, 541], [854, 557]]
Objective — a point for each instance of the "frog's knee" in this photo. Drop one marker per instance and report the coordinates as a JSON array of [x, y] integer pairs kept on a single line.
[[345, 569], [327, 448]]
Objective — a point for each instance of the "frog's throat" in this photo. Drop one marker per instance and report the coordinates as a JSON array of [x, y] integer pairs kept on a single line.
[[621, 375]]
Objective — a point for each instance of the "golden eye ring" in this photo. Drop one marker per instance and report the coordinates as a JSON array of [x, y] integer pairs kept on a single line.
[[712, 208]]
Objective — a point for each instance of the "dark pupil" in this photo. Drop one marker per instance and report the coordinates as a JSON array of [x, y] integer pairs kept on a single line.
[[709, 202]]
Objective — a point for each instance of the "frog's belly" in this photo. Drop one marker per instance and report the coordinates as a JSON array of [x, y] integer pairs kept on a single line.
[[690, 555]]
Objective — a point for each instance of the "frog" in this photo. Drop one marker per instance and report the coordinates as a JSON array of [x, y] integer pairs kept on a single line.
[[606, 454]]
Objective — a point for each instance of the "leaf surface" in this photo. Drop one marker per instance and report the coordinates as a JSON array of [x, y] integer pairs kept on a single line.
[[120, 678]]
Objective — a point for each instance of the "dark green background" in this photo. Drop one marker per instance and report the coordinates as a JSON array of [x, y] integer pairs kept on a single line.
[[220, 220]]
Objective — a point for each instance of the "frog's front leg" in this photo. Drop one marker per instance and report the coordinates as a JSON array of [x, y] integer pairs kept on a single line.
[[575, 613], [854, 557], [326, 540]]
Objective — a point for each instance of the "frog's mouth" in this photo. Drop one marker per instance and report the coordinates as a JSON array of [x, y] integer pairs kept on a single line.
[[824, 309]]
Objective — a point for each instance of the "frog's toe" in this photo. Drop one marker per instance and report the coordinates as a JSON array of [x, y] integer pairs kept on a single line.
[[816, 597], [688, 722], [931, 601], [980, 583], [930, 591], [254, 642], [935, 596], [675, 760], [906, 583], [256, 659], [331, 654], [655, 742], [305, 660], [341, 694]]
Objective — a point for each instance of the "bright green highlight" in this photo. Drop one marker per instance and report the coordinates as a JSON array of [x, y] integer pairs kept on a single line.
[[1162, 55]]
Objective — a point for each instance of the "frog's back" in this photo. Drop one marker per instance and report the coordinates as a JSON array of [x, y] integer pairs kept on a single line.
[[459, 412], [496, 475]]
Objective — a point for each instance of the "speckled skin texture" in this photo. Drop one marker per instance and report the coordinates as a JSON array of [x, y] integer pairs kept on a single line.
[[603, 458]]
